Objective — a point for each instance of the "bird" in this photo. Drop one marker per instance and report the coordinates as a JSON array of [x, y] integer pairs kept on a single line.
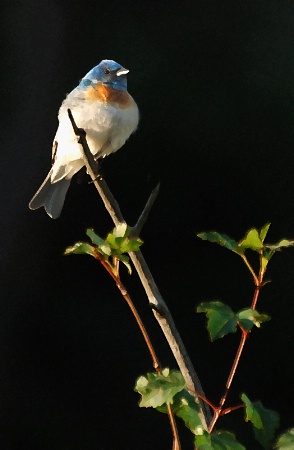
[[102, 106]]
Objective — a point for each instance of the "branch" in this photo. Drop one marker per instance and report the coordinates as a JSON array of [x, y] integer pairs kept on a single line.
[[92, 168], [145, 213], [155, 360], [245, 333], [160, 309]]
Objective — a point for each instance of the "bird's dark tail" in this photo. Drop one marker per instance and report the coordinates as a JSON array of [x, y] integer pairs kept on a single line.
[[51, 196]]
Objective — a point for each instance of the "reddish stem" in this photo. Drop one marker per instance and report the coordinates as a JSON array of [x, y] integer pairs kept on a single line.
[[156, 363], [231, 408], [219, 410], [124, 293], [255, 296], [197, 394]]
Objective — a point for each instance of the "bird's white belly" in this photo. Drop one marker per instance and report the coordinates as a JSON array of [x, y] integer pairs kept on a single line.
[[107, 128]]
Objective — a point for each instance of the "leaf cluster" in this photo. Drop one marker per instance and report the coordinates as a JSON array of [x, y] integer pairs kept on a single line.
[[157, 391], [253, 240], [112, 249], [222, 319]]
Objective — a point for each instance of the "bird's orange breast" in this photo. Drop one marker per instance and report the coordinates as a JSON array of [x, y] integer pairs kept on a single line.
[[108, 95]]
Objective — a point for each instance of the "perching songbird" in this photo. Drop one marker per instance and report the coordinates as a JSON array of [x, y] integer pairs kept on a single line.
[[102, 106]]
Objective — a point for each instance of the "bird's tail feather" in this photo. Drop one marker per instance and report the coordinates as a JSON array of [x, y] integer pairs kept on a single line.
[[51, 196]]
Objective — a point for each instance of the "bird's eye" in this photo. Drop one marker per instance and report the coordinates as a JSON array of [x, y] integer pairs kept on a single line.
[[107, 71]]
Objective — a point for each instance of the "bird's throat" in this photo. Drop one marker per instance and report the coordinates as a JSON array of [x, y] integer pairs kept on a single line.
[[109, 95]]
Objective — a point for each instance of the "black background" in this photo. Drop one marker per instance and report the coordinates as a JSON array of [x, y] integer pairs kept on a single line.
[[214, 81]]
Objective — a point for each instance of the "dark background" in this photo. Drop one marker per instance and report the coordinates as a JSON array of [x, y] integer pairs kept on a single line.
[[214, 81]]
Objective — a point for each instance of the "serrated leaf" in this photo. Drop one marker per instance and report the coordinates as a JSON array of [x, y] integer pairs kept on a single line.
[[115, 242], [264, 263], [104, 250], [250, 412], [221, 319], [250, 317], [112, 241], [266, 256], [97, 240], [120, 239], [225, 440], [131, 245], [285, 243], [268, 253], [221, 239], [263, 231], [281, 244], [80, 248], [165, 372], [220, 440], [123, 244], [141, 384], [264, 421], [185, 407], [121, 230], [159, 389], [126, 261], [252, 240], [285, 441]]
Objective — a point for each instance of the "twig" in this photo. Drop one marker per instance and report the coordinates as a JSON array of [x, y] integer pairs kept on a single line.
[[126, 296], [136, 229], [232, 408], [165, 320], [255, 278], [156, 363], [172, 420], [219, 411]]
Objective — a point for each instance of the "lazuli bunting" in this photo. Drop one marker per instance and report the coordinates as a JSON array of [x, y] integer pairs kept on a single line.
[[102, 106]]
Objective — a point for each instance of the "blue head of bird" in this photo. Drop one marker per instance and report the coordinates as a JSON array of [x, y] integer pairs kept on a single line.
[[109, 73]]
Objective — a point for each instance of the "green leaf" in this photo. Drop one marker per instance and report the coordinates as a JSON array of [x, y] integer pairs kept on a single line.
[[263, 231], [185, 407], [112, 241], [268, 253], [159, 389], [264, 421], [252, 240], [281, 244], [285, 441], [266, 256], [250, 317], [122, 244], [221, 319], [221, 239], [97, 240], [104, 250], [80, 248], [121, 230], [125, 260], [220, 440], [131, 245]]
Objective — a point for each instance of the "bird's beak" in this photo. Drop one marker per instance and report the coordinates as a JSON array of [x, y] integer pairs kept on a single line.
[[122, 71]]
